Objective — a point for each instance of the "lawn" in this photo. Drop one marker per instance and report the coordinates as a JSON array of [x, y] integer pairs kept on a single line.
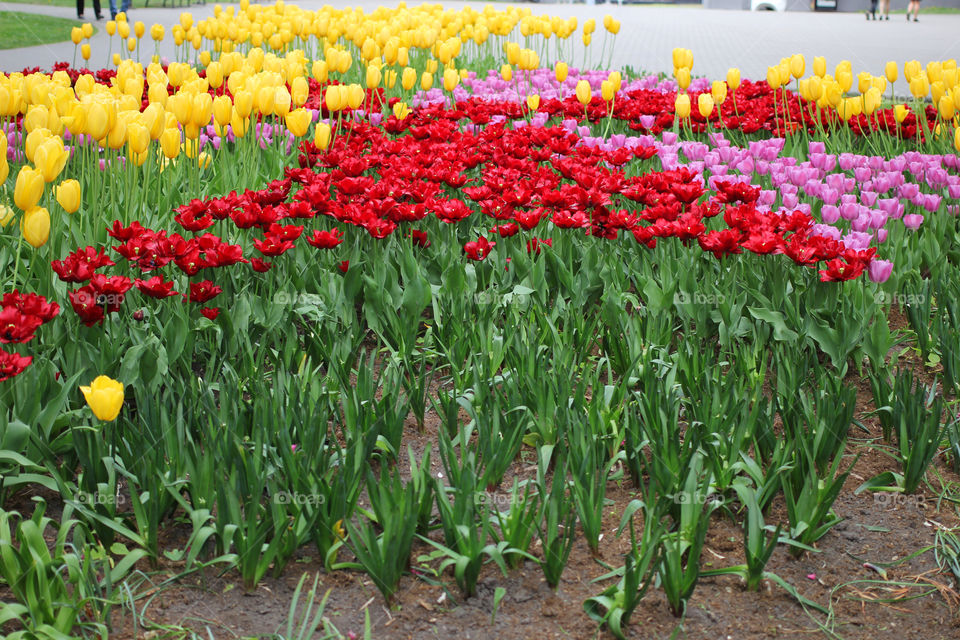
[[29, 29]]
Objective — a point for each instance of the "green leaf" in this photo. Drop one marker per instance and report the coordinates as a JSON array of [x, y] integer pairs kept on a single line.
[[776, 320]]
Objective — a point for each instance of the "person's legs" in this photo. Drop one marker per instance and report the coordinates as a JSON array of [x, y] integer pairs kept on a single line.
[[80, 9], [885, 9], [96, 9], [113, 9]]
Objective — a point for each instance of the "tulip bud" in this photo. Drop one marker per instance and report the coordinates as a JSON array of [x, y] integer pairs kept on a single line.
[[7, 214], [900, 112], [533, 102], [85, 51], [682, 106], [773, 77], [238, 123], [222, 108], [281, 101], [76, 35], [35, 226], [408, 79], [157, 31], [705, 104], [68, 195], [683, 77], [845, 80], [733, 78], [797, 65], [506, 72], [139, 28], [956, 139], [111, 27]]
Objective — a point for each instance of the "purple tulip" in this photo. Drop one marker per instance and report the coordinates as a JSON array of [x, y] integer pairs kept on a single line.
[[880, 270], [912, 221], [829, 213]]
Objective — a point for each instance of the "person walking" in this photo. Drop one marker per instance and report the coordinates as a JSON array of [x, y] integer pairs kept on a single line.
[[124, 7], [915, 7], [96, 9], [885, 9], [872, 11]]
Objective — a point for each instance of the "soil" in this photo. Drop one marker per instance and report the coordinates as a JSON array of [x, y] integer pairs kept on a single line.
[[912, 599]]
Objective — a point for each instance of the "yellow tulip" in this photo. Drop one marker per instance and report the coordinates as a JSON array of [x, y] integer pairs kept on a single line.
[[719, 91], [35, 226], [76, 35], [956, 139], [506, 72], [299, 91], [683, 77], [408, 79], [560, 71], [222, 108], [871, 100], [4, 168], [426, 80], [85, 51], [705, 104], [215, 75], [890, 71], [819, 66], [773, 77], [131, 44], [105, 397], [320, 71], [170, 142], [68, 195], [400, 110], [298, 121], [845, 80], [533, 102], [900, 112], [111, 27], [797, 65], [733, 78], [139, 28], [321, 136], [614, 26], [239, 123], [243, 103], [7, 214], [606, 90], [29, 188], [451, 78], [157, 31], [682, 105], [946, 108], [583, 92], [138, 138], [281, 101]]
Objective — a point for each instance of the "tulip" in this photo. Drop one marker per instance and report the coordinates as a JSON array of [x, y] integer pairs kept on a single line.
[[85, 51], [105, 397], [243, 103], [170, 142], [408, 79], [560, 71], [28, 189], [797, 65], [426, 80], [281, 102], [583, 92], [4, 166], [719, 91], [506, 72], [111, 27], [683, 77], [890, 71], [239, 123], [331, 98], [819, 66], [773, 77], [451, 78], [682, 105], [321, 136], [76, 35], [533, 102], [320, 71], [956, 139], [298, 121], [871, 100], [946, 108], [7, 214], [222, 109], [374, 76], [705, 104], [68, 195], [157, 31], [35, 226], [733, 78], [400, 110], [355, 96], [606, 90], [138, 137]]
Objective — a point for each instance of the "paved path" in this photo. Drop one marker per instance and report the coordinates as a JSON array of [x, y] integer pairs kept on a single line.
[[719, 39]]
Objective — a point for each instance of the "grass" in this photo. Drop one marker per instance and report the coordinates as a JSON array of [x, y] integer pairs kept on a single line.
[[29, 29]]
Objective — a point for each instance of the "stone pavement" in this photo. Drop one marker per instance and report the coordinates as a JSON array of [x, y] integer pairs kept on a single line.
[[719, 39]]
